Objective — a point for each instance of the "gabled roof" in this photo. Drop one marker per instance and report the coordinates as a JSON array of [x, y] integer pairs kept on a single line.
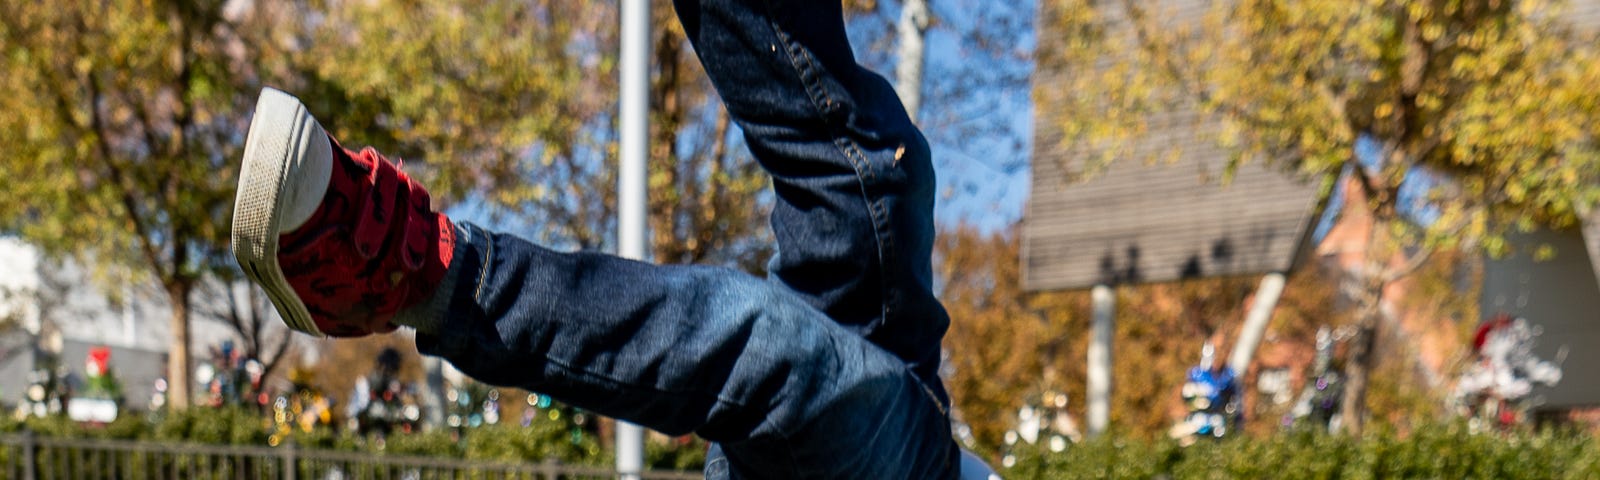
[[1153, 221], [1138, 223], [1584, 14]]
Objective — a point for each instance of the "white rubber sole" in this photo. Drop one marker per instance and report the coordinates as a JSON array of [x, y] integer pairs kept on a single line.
[[287, 163]]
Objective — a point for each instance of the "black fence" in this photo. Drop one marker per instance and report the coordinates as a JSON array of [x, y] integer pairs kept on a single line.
[[29, 457]]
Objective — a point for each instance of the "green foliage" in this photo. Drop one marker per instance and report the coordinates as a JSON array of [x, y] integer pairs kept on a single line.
[[1433, 451], [123, 149], [473, 95], [216, 426], [539, 442], [120, 146], [510, 104], [1495, 95], [1493, 98], [684, 453], [1105, 457]]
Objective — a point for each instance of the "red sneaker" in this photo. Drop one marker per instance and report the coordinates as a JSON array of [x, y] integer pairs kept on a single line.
[[340, 241]]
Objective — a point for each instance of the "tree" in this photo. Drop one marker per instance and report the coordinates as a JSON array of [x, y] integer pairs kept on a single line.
[[1002, 347], [261, 334], [961, 68], [912, 35], [545, 73], [1007, 345], [123, 149], [126, 151], [1492, 98], [475, 97], [707, 199]]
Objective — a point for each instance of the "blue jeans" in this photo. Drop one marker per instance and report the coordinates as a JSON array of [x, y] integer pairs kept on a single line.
[[827, 369]]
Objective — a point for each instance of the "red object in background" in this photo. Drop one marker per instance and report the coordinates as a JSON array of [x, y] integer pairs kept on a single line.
[[99, 360], [1485, 328], [1508, 416]]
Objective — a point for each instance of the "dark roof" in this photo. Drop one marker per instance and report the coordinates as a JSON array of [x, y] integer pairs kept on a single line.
[[1591, 239], [1154, 221], [1585, 14]]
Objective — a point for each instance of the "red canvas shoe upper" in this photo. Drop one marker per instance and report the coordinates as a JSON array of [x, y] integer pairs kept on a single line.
[[373, 247]]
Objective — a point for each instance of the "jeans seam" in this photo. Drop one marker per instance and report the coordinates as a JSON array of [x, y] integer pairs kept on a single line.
[[801, 60], [927, 391], [483, 268], [567, 366]]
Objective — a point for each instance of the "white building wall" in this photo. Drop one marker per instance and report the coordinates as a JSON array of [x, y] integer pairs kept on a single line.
[[1562, 297], [135, 319]]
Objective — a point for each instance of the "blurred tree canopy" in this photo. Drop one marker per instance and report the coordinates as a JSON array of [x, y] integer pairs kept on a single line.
[[477, 95], [1495, 99], [125, 143], [552, 178], [125, 152]]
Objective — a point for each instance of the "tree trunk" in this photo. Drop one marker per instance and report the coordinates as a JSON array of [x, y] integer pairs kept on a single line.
[[1102, 338], [1255, 322], [912, 31], [1362, 357], [433, 394], [178, 371]]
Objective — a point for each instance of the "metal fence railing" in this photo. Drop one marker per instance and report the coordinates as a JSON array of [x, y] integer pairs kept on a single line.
[[29, 457]]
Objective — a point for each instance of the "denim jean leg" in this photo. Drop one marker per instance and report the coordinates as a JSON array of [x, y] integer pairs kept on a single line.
[[852, 175], [680, 349], [851, 172]]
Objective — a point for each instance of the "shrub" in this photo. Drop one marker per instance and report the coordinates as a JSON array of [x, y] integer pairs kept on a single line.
[[1447, 450], [536, 443]]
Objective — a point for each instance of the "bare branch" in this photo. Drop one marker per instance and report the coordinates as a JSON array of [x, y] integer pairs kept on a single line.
[[1187, 83], [1363, 176], [267, 366], [1161, 51], [130, 203], [1411, 264], [233, 316], [1337, 102]]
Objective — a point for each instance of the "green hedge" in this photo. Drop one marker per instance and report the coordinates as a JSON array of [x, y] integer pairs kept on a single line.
[[534, 443], [1435, 451], [1447, 451]]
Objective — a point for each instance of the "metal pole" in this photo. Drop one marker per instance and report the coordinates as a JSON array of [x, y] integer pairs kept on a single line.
[[29, 450], [291, 465], [434, 397], [1255, 322], [1100, 338], [634, 130]]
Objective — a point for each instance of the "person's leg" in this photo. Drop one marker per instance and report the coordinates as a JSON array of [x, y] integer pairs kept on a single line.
[[851, 172], [344, 243], [739, 361]]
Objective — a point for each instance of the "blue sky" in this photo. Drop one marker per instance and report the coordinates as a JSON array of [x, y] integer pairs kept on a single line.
[[977, 112], [1413, 196]]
